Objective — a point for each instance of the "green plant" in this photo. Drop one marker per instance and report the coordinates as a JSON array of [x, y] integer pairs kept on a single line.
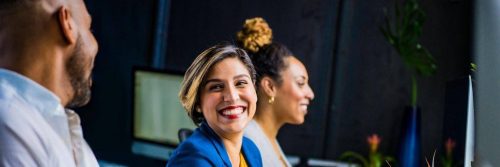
[[375, 159], [403, 34], [447, 160]]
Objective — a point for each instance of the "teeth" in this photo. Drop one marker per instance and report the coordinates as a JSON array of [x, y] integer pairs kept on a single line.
[[232, 111]]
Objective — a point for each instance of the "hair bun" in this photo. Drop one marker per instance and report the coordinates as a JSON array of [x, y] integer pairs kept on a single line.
[[255, 34]]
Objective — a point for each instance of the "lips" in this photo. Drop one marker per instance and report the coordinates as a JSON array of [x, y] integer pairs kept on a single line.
[[232, 112]]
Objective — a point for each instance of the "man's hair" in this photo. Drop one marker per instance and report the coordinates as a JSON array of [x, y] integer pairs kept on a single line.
[[4, 4], [10, 5]]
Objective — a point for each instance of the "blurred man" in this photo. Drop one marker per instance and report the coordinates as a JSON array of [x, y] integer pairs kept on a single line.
[[46, 57]]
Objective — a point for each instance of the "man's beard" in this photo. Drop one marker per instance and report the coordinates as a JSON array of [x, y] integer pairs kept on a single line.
[[76, 71]]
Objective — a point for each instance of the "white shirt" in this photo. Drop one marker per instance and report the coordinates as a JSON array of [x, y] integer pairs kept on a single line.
[[35, 129], [269, 157]]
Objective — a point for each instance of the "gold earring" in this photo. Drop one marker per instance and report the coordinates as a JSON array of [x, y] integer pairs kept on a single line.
[[271, 100], [198, 109]]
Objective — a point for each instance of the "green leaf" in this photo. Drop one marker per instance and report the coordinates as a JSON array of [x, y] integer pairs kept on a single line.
[[348, 155], [408, 26]]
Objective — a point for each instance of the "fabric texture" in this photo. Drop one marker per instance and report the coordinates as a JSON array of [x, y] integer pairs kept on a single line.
[[205, 148], [35, 129], [269, 158]]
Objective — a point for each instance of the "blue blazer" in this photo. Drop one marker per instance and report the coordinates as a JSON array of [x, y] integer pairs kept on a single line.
[[204, 148]]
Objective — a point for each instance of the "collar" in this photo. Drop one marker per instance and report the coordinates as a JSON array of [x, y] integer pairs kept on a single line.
[[217, 142], [246, 148], [33, 93]]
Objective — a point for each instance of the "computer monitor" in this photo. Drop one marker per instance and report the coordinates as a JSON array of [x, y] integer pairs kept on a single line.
[[157, 112]]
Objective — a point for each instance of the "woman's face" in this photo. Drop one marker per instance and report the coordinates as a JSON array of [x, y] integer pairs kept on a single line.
[[228, 99], [294, 93]]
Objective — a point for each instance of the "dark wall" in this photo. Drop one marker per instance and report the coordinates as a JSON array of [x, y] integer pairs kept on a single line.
[[306, 27], [372, 86], [360, 83], [124, 31]]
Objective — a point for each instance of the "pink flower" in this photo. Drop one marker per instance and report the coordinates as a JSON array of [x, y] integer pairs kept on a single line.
[[373, 142], [449, 145]]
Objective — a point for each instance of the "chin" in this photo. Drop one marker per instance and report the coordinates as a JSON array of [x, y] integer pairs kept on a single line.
[[298, 121], [234, 129]]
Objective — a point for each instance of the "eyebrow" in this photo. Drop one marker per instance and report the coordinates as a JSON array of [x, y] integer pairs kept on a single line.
[[301, 77], [241, 76], [235, 77]]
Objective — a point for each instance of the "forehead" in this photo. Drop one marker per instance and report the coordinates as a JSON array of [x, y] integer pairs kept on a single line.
[[227, 67], [295, 68]]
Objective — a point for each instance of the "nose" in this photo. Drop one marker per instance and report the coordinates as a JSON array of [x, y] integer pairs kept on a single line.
[[231, 94], [94, 44], [309, 93]]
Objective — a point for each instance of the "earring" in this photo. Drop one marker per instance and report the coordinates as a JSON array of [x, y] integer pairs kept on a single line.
[[198, 109], [271, 100]]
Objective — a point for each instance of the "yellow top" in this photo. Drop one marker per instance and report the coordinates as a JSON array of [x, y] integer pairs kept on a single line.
[[243, 162]]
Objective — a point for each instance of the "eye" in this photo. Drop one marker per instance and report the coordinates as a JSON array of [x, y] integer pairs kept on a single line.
[[216, 87], [301, 83], [241, 83]]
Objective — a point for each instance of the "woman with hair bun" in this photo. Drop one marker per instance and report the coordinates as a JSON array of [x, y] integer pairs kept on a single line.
[[282, 89]]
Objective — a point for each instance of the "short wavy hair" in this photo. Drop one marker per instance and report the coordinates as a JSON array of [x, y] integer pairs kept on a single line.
[[195, 76]]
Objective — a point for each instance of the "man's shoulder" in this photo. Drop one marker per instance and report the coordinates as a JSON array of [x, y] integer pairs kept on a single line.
[[14, 112], [22, 126], [26, 140], [17, 122], [7, 111]]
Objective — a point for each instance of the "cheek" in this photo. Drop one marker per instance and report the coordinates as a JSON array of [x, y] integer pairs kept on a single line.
[[90, 45], [208, 103], [251, 96], [298, 93], [293, 94]]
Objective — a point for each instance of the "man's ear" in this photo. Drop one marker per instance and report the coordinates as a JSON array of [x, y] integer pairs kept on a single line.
[[268, 85], [67, 25]]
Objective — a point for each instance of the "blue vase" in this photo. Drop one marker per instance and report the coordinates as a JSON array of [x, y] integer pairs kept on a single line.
[[410, 139]]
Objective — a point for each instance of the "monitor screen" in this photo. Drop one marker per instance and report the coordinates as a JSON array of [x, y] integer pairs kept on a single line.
[[157, 112]]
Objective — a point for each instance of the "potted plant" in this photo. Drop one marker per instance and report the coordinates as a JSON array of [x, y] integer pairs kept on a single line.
[[374, 158], [402, 32]]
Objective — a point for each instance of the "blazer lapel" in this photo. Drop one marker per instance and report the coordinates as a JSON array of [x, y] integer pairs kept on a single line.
[[217, 143], [252, 155]]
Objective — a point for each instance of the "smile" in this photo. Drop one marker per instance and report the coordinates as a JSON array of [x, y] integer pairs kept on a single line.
[[232, 112], [303, 107]]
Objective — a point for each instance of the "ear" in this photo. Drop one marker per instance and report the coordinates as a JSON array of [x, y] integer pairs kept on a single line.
[[268, 85], [67, 25]]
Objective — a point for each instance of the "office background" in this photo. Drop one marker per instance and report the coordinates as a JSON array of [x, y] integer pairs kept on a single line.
[[360, 83]]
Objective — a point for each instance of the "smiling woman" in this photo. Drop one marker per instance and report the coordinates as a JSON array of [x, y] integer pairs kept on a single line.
[[219, 95], [282, 87]]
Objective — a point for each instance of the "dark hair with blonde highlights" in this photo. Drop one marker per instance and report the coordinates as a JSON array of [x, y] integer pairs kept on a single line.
[[194, 78]]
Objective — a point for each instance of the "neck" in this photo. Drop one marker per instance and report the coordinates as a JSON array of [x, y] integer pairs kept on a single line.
[[38, 50], [232, 143], [265, 117], [233, 148], [44, 67]]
